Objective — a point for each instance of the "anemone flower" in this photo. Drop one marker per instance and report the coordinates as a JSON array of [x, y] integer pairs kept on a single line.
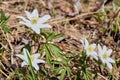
[[89, 48], [104, 55], [34, 22], [34, 59]]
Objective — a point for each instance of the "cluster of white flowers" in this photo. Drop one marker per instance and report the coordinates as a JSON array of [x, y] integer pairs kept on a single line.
[[35, 23], [103, 53]]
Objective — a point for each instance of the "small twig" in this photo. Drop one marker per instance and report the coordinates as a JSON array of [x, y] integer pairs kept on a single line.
[[102, 76]]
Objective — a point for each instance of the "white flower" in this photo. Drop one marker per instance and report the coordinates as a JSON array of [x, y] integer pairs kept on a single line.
[[104, 55], [34, 22], [34, 59], [90, 49]]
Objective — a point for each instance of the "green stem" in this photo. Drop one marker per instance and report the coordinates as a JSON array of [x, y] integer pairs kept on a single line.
[[31, 68]]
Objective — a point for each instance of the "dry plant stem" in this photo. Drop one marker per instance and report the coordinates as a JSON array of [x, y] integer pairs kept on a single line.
[[102, 76], [11, 47], [74, 18], [4, 73], [4, 69]]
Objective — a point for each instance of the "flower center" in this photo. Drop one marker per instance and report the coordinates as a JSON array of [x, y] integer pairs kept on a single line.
[[90, 48], [34, 20], [31, 57], [105, 55]]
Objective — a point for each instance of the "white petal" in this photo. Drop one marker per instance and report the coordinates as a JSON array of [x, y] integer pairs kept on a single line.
[[109, 52], [104, 48], [99, 47], [36, 29], [20, 56], [93, 45], [28, 14], [35, 13], [110, 60], [26, 54], [21, 17], [45, 26], [82, 43], [88, 53], [37, 55], [24, 63], [94, 55], [86, 43], [109, 65], [44, 18], [103, 60], [39, 61], [25, 51], [35, 66], [28, 24]]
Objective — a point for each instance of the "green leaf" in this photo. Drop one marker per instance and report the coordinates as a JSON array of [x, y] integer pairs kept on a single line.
[[55, 50], [57, 70], [3, 22], [50, 35], [63, 73], [48, 55], [68, 71], [115, 28], [2, 15]]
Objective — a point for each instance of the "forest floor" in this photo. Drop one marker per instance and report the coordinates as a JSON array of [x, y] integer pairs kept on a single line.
[[88, 20]]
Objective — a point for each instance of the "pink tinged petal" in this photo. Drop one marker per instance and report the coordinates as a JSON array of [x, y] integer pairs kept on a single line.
[[20, 56], [39, 61], [109, 65], [24, 63], [37, 55], [35, 13], [44, 18], [45, 26], [109, 52], [110, 60], [28, 14], [35, 66], [36, 29]]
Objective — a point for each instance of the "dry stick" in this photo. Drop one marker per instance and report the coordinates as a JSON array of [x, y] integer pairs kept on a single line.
[[102, 76]]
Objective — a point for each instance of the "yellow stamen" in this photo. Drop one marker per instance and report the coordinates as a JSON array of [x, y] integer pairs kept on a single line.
[[31, 57], [105, 55], [90, 48], [34, 20]]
